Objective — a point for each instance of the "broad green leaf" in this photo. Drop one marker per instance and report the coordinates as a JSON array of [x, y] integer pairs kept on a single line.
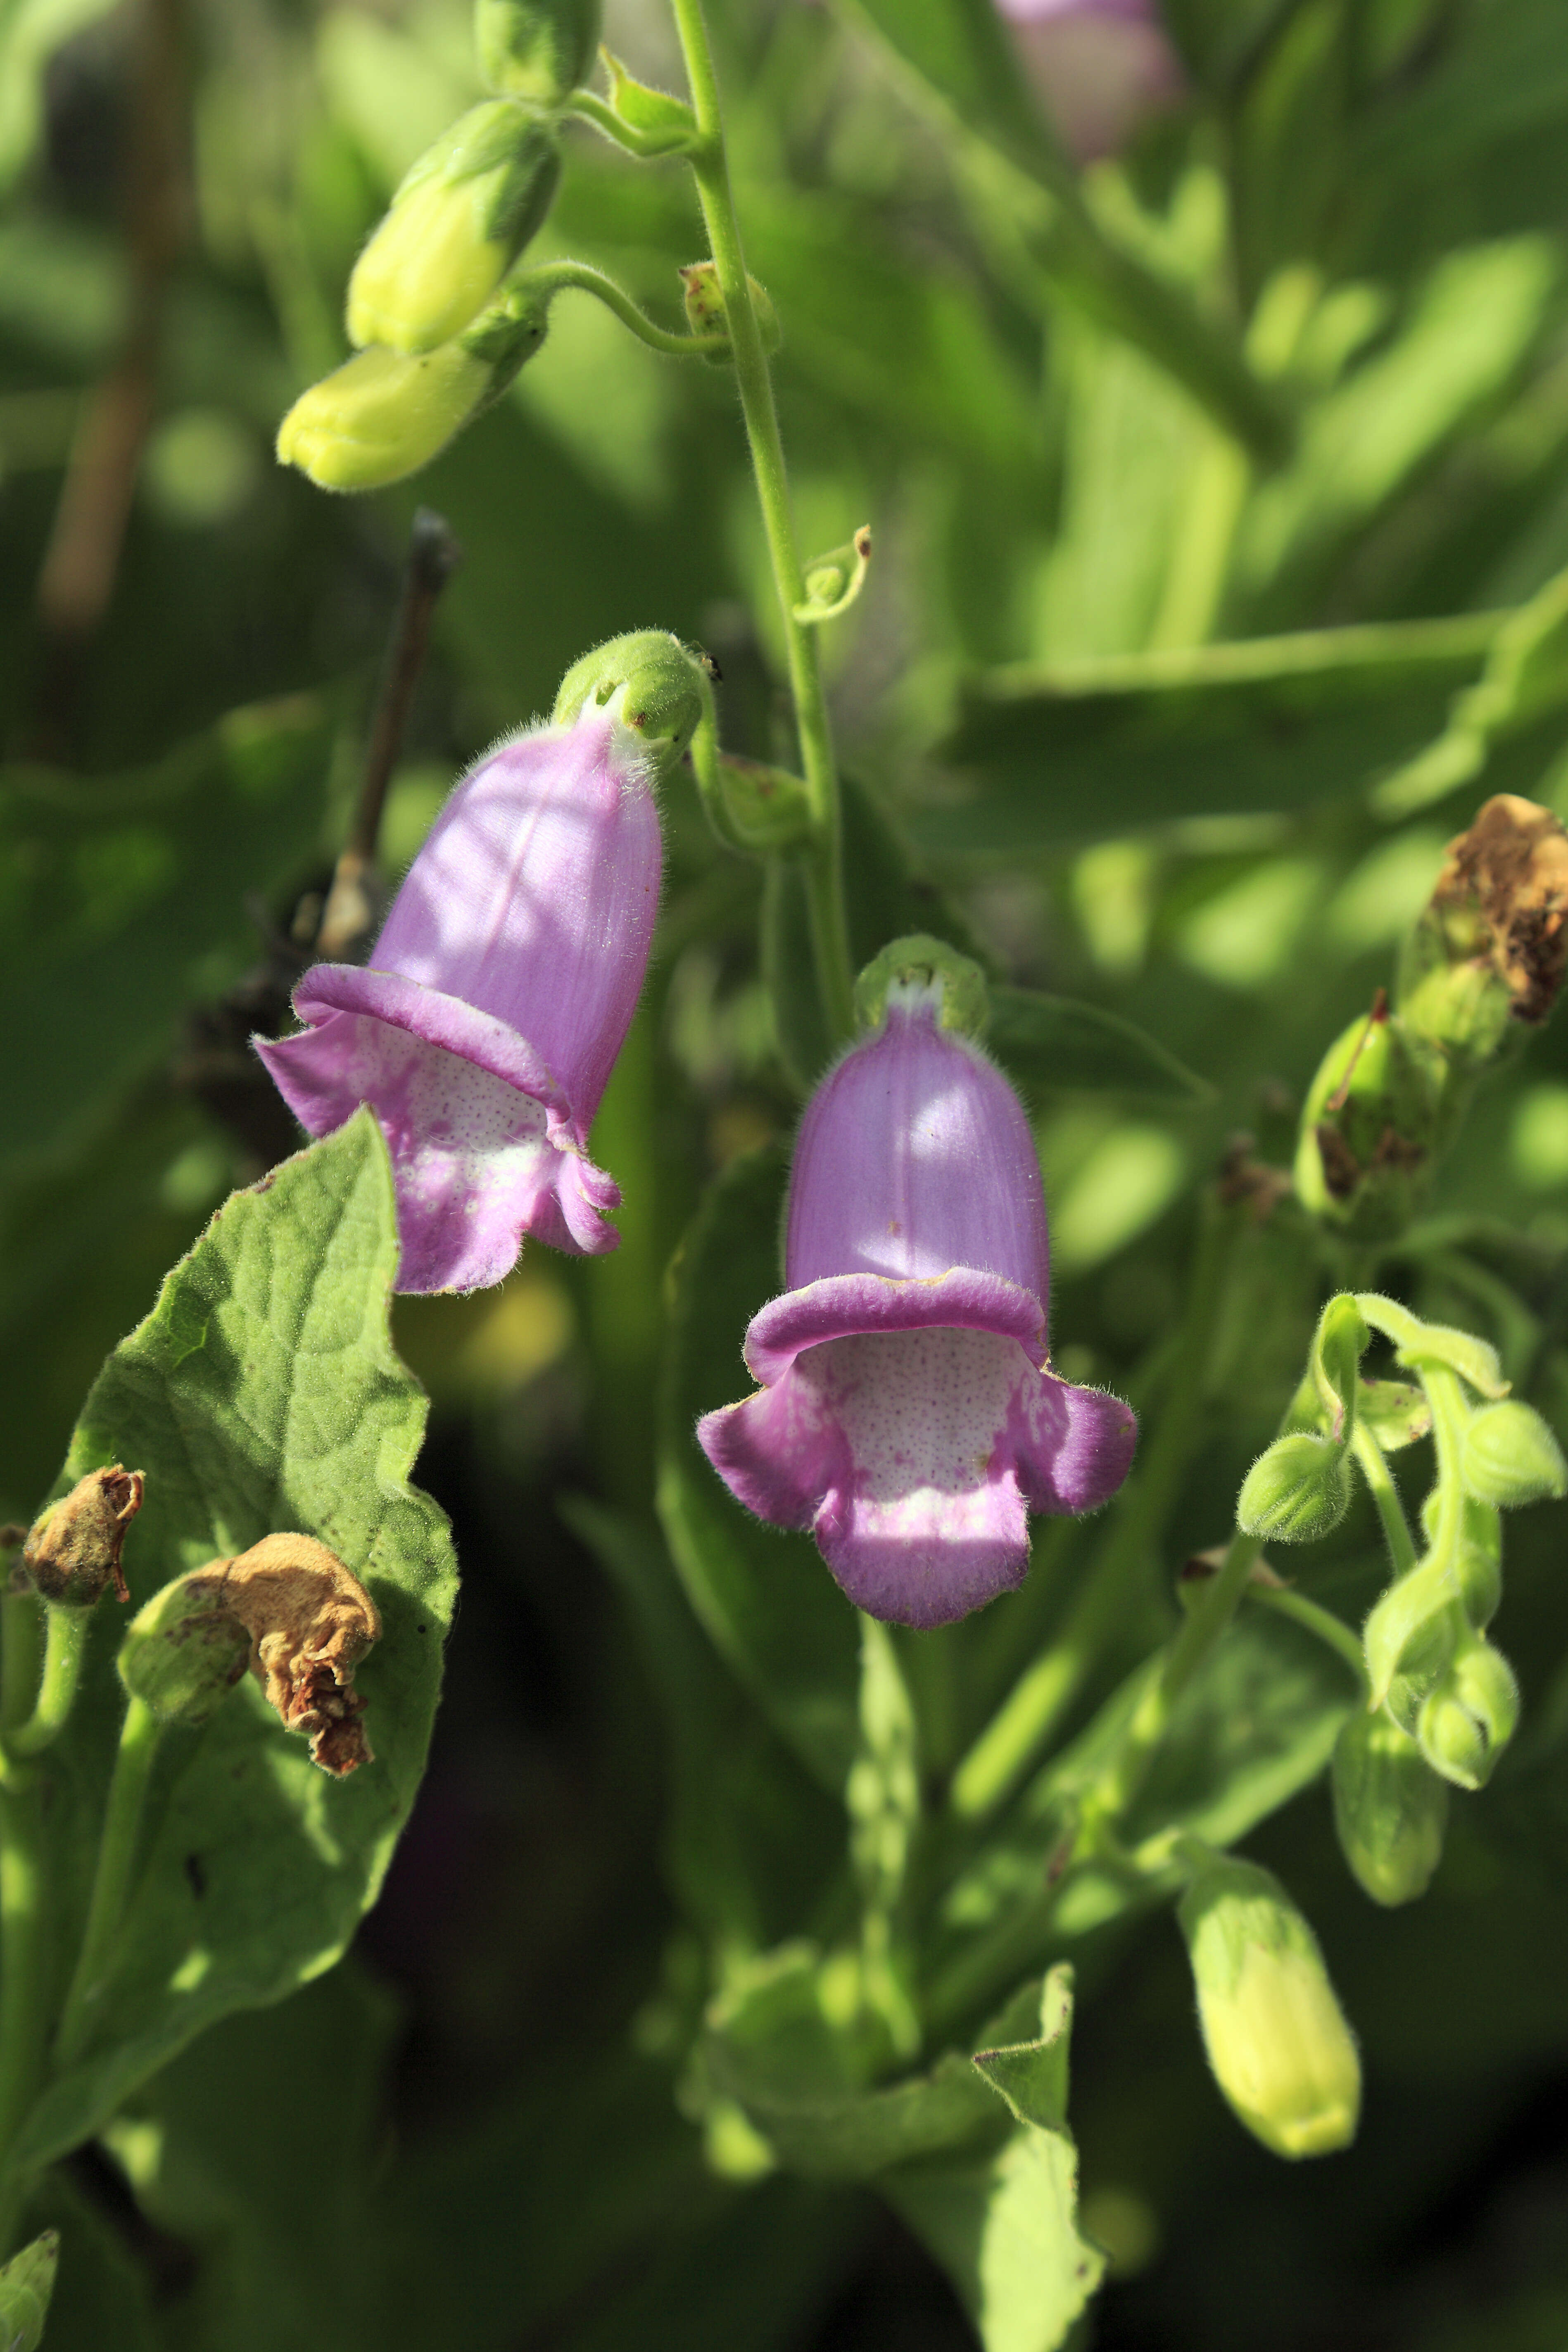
[[102, 2293], [1525, 681], [124, 901], [1056, 1041], [26, 2282], [1006, 2234], [766, 1599], [1078, 753], [261, 1394]]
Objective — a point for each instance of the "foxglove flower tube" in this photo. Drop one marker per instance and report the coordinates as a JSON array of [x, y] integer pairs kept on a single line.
[[501, 987], [907, 1414]]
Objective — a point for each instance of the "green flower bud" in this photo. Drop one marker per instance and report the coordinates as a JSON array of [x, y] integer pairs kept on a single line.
[[1512, 1457], [1297, 1490], [1390, 1807], [456, 223], [1478, 1562], [1369, 1127], [661, 690], [922, 962], [1276, 2036], [73, 1549], [537, 50], [382, 414], [184, 1652], [1490, 945], [1469, 1716], [1411, 1633]]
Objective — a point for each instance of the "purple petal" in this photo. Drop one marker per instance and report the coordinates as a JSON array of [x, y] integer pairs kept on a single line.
[[475, 1167], [914, 1455], [914, 1157], [839, 1307]]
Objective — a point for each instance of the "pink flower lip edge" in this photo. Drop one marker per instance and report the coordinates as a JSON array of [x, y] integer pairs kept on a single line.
[[915, 1466]]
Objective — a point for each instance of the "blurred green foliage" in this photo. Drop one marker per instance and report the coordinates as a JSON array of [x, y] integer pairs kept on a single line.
[[1219, 496]]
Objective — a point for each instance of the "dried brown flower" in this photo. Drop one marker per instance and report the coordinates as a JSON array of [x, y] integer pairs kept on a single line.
[[73, 1547], [1502, 895], [309, 1622]]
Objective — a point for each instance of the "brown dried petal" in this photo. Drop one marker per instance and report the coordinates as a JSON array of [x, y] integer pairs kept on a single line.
[[1507, 877], [309, 1622], [74, 1546]]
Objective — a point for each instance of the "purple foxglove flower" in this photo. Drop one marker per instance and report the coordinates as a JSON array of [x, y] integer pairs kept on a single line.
[[907, 1414], [505, 978], [1100, 67]]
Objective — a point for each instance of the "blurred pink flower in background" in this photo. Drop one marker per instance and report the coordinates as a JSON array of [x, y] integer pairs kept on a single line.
[[1100, 67]]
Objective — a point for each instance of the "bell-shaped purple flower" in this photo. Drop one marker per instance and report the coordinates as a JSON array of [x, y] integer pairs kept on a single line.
[[907, 1414], [500, 992]]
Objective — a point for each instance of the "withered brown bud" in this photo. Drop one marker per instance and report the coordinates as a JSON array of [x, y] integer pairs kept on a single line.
[[1491, 944], [306, 1620], [73, 1547]]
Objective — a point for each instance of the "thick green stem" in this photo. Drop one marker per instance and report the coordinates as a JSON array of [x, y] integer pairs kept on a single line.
[[823, 866], [65, 1647], [19, 1657], [139, 1740], [1329, 1629], [1039, 1701]]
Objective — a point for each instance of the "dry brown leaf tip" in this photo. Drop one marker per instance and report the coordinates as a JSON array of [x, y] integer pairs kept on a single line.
[[310, 1622], [74, 1548], [1507, 877]]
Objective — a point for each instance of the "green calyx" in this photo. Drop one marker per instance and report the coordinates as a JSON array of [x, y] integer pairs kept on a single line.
[[1510, 1457], [650, 683], [1370, 1127], [184, 1652], [536, 50], [1470, 1715], [1390, 1807], [1297, 1490], [921, 963]]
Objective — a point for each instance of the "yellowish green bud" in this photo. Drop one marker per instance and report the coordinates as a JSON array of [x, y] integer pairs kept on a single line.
[[1297, 1490], [1411, 1633], [383, 416], [1511, 1456], [456, 223], [1390, 1807], [1468, 1719], [1274, 2033], [536, 50]]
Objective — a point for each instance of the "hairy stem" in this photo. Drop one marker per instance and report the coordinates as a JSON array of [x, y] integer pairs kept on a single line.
[[139, 1741], [64, 1646], [824, 865], [24, 1977], [1386, 1499]]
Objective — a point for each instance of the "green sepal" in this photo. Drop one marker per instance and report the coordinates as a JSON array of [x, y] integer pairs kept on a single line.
[[924, 963], [1339, 1343], [26, 2283], [1411, 1633], [652, 685], [759, 811], [1032, 2076], [538, 51], [1469, 1717], [1395, 1412], [706, 314], [834, 580], [183, 1654], [1390, 1807], [1369, 1127]]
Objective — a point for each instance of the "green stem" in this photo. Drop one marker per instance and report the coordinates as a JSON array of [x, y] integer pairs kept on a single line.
[[552, 277], [139, 1740], [64, 1646], [19, 1657], [824, 865], [645, 145], [1328, 1628], [1039, 1701], [1385, 1498], [24, 1978]]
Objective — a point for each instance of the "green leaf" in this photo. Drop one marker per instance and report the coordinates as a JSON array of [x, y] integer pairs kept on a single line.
[[26, 2282], [102, 2293], [1081, 753], [1525, 681], [766, 1599], [1032, 2076], [260, 1394], [957, 51], [1006, 2234], [1058, 1042], [124, 901]]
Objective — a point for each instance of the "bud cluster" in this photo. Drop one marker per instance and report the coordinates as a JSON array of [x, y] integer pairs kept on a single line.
[[1486, 958]]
